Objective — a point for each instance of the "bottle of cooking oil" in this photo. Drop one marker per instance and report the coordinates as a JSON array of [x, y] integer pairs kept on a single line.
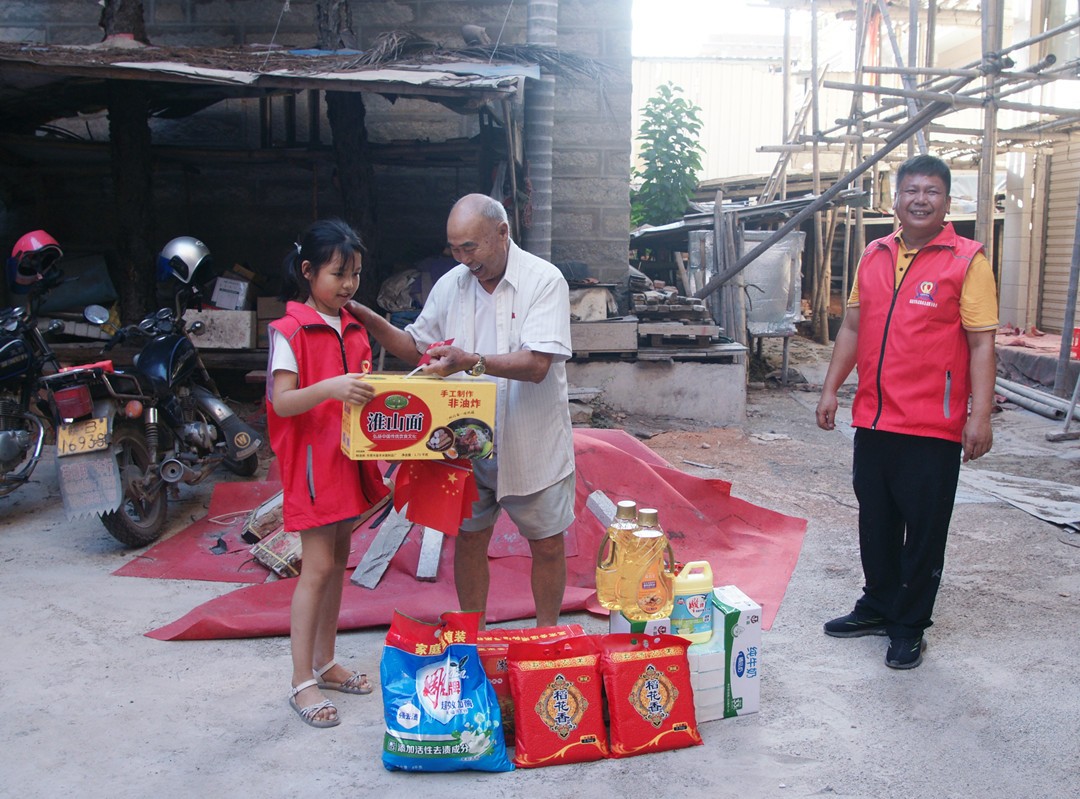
[[644, 589], [612, 547]]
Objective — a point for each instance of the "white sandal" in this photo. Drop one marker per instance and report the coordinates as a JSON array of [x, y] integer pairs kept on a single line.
[[308, 714], [356, 684]]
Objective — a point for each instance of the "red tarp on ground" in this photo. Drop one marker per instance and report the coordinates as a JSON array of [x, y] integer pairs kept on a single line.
[[748, 546]]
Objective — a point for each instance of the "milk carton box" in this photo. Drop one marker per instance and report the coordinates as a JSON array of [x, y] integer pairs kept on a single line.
[[738, 619], [708, 677], [618, 623]]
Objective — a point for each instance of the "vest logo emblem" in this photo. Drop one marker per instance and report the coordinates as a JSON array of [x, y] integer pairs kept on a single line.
[[924, 294]]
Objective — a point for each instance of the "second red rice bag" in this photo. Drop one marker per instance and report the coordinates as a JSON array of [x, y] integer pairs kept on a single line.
[[650, 701]]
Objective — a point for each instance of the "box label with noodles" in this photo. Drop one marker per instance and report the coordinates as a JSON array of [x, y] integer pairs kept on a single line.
[[421, 418]]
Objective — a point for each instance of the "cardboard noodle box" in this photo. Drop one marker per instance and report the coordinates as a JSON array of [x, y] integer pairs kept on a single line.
[[421, 418]]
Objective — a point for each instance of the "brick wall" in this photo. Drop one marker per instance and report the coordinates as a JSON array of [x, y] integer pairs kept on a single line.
[[248, 209]]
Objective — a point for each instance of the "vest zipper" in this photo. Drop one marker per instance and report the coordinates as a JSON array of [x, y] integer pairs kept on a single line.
[[885, 333], [948, 392], [310, 475]]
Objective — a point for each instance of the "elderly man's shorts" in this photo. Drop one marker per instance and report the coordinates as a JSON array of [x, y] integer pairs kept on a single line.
[[546, 513]]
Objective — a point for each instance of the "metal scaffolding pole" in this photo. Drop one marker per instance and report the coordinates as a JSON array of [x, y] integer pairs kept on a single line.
[[992, 15], [895, 140]]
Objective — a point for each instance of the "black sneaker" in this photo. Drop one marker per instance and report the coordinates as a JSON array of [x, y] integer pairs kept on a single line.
[[855, 624], [905, 653]]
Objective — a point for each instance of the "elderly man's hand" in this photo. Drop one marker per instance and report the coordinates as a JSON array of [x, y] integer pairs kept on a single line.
[[448, 360]]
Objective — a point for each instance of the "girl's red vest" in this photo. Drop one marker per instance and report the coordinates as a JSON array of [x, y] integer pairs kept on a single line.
[[321, 485], [913, 358]]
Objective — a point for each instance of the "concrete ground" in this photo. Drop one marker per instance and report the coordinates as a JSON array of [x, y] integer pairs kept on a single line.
[[95, 709]]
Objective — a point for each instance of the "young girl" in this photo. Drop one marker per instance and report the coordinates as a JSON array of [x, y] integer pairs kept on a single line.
[[318, 357]]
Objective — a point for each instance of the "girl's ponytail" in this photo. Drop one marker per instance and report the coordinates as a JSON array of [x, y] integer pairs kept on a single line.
[[294, 286]]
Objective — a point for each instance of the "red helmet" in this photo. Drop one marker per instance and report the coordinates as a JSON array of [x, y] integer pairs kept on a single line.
[[34, 254]]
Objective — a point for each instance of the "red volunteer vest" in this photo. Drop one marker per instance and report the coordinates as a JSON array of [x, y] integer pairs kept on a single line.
[[913, 359], [321, 485]]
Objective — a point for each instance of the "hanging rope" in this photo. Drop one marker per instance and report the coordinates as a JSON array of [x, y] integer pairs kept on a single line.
[[503, 28], [270, 47]]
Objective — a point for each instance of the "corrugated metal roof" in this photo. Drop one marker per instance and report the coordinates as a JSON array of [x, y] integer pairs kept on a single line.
[[39, 84]]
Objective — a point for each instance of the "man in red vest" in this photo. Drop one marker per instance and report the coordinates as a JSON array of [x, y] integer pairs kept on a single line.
[[919, 328]]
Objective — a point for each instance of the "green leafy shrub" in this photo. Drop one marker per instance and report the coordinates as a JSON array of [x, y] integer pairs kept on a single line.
[[670, 156]]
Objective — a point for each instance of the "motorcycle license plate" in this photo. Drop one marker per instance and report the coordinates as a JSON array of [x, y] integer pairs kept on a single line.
[[85, 436]]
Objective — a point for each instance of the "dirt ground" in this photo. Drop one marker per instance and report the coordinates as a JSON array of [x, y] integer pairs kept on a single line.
[[97, 710]]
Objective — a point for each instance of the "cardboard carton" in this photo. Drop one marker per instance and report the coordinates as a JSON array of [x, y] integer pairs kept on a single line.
[[618, 623], [421, 418], [739, 617], [708, 676], [231, 294]]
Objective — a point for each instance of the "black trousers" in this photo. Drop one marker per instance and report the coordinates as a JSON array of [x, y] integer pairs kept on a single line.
[[906, 486]]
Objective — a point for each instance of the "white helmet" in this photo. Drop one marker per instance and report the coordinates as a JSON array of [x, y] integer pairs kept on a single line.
[[182, 257]]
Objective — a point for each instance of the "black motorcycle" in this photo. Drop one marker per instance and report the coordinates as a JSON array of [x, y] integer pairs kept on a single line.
[[124, 436], [24, 357]]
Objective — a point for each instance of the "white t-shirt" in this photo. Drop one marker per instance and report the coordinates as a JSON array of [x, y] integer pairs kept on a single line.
[[282, 357]]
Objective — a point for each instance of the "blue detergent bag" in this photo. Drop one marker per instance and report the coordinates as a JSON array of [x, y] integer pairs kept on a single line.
[[440, 708]]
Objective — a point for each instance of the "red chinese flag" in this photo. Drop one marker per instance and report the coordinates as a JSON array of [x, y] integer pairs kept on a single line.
[[425, 358], [439, 494]]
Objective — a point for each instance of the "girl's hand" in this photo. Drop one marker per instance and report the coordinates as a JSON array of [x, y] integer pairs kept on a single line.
[[350, 388]]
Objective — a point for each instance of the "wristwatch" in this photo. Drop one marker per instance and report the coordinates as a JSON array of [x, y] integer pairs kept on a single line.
[[479, 368]]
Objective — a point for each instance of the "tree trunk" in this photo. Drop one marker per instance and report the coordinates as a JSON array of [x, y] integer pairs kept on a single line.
[[346, 114], [130, 148], [120, 17]]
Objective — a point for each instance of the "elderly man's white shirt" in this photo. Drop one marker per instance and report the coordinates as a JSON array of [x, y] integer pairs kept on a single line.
[[533, 435]]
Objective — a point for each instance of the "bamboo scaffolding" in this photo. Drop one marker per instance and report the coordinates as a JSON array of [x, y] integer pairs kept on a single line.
[[928, 113], [945, 91]]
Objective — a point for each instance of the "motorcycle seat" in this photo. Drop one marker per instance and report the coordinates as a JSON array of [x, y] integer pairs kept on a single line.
[[105, 366]]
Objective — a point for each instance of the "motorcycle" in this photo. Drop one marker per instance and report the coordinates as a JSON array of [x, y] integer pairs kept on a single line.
[[24, 356], [125, 436]]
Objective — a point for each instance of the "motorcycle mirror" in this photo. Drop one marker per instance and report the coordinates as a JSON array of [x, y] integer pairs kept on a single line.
[[55, 326], [196, 328], [96, 314]]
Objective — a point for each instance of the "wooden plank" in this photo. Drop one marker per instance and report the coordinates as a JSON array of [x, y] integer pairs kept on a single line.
[[427, 568], [391, 533], [677, 329]]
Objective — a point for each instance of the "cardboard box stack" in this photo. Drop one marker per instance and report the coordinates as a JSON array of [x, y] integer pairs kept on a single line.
[[725, 671]]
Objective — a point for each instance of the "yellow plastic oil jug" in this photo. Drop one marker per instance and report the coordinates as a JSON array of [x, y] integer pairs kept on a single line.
[[612, 549], [643, 590]]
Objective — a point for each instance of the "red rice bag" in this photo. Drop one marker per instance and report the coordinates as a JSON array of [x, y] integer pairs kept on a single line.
[[558, 691], [649, 698], [493, 645]]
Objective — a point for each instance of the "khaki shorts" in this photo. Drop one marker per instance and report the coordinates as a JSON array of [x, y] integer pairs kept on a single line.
[[541, 515]]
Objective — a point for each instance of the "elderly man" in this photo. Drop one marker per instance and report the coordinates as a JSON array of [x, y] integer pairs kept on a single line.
[[508, 313]]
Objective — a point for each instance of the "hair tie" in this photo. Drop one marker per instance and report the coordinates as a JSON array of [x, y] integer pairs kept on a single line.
[[297, 246]]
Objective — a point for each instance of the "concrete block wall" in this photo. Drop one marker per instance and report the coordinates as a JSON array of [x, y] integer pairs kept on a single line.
[[242, 209]]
